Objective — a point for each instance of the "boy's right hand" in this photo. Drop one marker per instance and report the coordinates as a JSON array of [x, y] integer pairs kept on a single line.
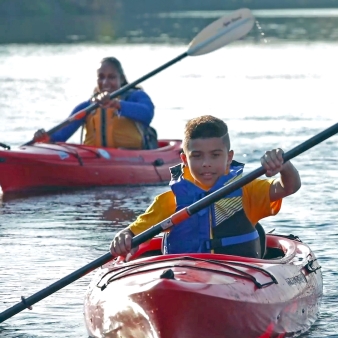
[[121, 244], [41, 136]]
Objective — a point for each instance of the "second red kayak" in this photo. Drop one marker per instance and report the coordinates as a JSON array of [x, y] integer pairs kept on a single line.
[[46, 167]]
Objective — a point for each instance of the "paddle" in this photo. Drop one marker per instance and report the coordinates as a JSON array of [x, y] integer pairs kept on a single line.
[[176, 218], [216, 35]]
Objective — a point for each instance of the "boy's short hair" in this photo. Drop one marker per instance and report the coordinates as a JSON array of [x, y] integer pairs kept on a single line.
[[205, 126]]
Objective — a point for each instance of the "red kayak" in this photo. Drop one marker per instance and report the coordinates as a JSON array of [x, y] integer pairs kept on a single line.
[[45, 167], [207, 295]]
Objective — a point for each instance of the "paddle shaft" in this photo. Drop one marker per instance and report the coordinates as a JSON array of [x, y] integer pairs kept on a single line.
[[85, 112], [123, 89], [185, 213], [176, 218], [26, 303], [216, 35]]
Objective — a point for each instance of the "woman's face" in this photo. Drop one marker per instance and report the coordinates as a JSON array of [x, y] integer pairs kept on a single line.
[[108, 78]]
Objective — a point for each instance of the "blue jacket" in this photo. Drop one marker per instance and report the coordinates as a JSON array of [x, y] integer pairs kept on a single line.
[[137, 106]]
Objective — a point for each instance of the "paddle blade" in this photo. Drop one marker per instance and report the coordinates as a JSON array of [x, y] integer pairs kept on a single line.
[[222, 32]]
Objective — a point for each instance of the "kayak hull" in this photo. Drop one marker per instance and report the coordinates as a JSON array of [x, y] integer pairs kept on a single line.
[[45, 167], [204, 295]]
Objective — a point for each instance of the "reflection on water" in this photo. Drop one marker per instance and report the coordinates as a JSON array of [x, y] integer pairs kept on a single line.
[[45, 238]]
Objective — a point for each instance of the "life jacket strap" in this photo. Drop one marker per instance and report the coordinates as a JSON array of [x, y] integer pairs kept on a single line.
[[226, 241]]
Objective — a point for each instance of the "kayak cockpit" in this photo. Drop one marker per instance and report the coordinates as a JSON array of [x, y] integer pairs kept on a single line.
[[276, 249]]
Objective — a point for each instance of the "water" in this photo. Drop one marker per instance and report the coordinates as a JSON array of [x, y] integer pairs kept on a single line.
[[275, 94]]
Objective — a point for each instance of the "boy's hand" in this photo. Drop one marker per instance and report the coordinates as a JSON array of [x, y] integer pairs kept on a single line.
[[273, 161], [105, 102], [121, 244]]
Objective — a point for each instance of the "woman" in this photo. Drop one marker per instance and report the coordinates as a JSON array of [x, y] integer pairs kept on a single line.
[[123, 122]]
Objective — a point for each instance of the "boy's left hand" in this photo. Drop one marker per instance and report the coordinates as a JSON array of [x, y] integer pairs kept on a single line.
[[273, 161]]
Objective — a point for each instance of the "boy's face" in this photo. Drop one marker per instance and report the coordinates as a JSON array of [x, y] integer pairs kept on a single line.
[[208, 159]]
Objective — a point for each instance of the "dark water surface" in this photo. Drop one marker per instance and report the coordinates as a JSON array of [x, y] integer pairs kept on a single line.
[[274, 94]]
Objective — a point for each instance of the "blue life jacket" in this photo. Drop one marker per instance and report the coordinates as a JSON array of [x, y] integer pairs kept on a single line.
[[222, 227]]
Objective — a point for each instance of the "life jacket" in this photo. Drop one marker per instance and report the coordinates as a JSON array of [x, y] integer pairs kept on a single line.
[[222, 227], [106, 128]]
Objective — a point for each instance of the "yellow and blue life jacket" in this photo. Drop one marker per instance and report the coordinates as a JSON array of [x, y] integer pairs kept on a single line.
[[222, 227], [106, 128]]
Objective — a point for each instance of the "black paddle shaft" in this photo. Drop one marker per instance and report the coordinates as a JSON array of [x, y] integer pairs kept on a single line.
[[156, 229], [128, 86], [228, 189], [116, 94], [26, 303], [218, 194]]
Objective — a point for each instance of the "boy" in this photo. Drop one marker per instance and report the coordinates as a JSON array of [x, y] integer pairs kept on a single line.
[[227, 226]]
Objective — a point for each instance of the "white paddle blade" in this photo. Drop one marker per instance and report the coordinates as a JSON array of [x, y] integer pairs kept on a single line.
[[222, 32]]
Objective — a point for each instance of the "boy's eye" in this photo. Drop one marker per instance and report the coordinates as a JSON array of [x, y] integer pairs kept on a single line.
[[195, 155], [216, 155]]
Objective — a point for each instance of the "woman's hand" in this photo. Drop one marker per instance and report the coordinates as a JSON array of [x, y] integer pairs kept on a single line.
[[41, 136], [105, 102]]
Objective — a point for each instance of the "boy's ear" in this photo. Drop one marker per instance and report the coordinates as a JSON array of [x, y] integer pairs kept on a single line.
[[184, 158], [230, 156]]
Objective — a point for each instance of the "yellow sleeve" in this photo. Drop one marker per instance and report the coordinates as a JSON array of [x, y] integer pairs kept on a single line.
[[256, 200], [164, 206]]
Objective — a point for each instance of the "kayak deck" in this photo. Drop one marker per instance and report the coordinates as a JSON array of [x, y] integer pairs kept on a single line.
[[47, 167], [207, 295]]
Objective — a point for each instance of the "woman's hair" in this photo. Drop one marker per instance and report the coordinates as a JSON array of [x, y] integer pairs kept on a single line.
[[117, 64]]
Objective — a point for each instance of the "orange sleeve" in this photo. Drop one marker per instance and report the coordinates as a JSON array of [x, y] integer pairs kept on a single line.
[[256, 200], [163, 206]]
